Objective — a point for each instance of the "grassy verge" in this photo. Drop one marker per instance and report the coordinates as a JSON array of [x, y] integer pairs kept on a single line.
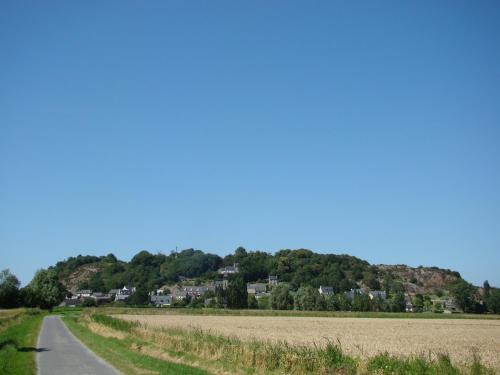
[[18, 343], [121, 354], [10, 317], [291, 313], [228, 354]]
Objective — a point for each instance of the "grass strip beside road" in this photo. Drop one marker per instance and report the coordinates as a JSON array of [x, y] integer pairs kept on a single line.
[[18, 343], [118, 352]]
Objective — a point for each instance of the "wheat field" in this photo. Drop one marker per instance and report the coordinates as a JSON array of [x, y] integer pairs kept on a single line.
[[362, 337]]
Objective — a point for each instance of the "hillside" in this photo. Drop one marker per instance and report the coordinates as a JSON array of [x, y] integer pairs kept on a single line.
[[296, 267], [420, 280]]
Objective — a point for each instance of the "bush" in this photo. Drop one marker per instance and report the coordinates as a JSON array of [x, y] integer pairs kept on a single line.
[[89, 302]]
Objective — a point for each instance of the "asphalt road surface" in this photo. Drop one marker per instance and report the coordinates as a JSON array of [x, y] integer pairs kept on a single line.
[[60, 353]]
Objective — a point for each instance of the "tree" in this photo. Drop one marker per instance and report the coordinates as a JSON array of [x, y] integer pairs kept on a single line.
[[398, 303], [438, 307], [139, 297], [252, 302], [196, 303], [427, 303], [361, 302], [343, 302], [281, 299], [418, 302], [345, 284], [45, 290], [237, 295], [463, 294], [371, 281], [494, 301], [378, 304], [487, 288], [320, 302], [263, 303], [9, 289], [306, 298], [331, 303], [89, 302]]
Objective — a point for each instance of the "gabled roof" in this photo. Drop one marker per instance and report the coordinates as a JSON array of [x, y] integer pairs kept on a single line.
[[84, 291]]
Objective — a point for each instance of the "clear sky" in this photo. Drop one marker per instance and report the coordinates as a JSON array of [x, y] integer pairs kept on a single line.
[[367, 128]]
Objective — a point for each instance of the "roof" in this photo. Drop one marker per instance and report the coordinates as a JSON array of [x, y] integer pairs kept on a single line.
[[378, 293], [230, 269], [257, 287], [84, 291], [72, 301], [326, 288], [161, 298]]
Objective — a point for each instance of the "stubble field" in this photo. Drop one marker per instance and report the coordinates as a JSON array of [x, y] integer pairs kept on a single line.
[[360, 337]]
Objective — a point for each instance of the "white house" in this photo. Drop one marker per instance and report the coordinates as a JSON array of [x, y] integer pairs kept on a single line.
[[325, 289], [229, 270], [377, 294], [272, 280], [84, 293], [124, 293]]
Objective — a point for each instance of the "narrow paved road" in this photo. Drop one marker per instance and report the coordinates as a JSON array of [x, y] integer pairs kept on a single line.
[[60, 353]]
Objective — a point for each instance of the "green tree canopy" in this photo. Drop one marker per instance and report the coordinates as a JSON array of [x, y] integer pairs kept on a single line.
[[281, 299], [494, 301], [45, 290], [237, 296], [9, 289], [463, 294], [139, 297]]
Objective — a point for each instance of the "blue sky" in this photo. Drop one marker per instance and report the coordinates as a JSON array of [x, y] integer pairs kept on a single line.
[[368, 128]]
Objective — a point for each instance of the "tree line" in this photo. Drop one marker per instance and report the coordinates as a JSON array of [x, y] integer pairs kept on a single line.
[[300, 271]]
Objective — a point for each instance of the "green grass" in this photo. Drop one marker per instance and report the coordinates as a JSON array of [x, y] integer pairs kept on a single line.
[[291, 313], [18, 343], [237, 356], [118, 352]]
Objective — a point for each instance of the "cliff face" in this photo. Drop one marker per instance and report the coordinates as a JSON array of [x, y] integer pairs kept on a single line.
[[81, 274], [423, 280]]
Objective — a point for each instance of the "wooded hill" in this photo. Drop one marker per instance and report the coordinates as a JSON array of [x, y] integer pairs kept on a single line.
[[296, 267]]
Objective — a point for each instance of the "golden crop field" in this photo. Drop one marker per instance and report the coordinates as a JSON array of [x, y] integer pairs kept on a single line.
[[361, 337]]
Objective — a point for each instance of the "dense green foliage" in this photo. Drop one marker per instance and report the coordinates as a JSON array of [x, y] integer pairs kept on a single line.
[[296, 267], [9, 290], [493, 301], [281, 298], [236, 292], [300, 272], [140, 297], [44, 291], [465, 295]]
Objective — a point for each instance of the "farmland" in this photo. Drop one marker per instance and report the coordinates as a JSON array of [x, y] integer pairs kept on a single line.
[[358, 337]]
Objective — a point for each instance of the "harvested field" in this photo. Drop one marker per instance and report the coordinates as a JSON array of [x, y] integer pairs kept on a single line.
[[362, 337]]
